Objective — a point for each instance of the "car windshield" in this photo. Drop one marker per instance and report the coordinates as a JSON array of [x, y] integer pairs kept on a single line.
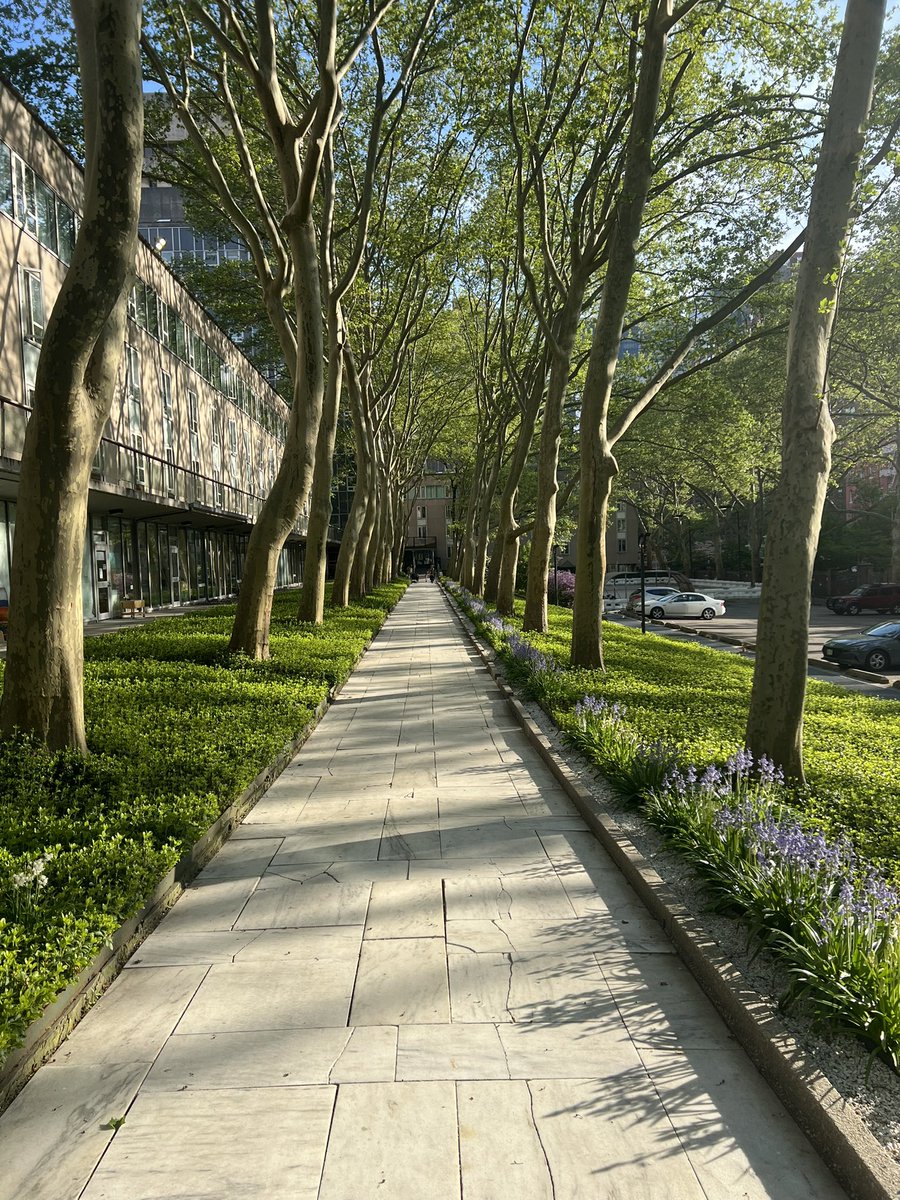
[[890, 629]]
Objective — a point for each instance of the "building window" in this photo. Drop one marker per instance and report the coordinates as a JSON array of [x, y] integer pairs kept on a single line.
[[165, 387], [27, 199], [218, 490], [25, 192], [135, 413], [233, 450], [6, 180], [421, 512], [48, 234], [194, 434], [32, 306], [422, 531], [248, 461], [623, 545], [32, 297]]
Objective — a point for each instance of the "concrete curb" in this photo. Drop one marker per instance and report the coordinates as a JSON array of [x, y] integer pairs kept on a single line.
[[866, 676], [857, 1159], [45, 1035]]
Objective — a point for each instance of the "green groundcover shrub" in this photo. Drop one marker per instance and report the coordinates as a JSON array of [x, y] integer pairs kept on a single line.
[[697, 698], [177, 728]]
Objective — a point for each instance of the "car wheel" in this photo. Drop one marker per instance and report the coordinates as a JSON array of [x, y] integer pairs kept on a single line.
[[852, 609], [895, 609], [657, 613], [707, 614], [877, 660]]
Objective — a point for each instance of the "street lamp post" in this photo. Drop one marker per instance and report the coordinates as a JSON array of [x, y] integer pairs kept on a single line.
[[642, 548]]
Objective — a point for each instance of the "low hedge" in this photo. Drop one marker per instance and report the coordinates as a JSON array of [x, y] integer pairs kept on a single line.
[[177, 728]]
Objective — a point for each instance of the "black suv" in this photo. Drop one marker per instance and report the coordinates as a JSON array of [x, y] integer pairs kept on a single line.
[[877, 597]]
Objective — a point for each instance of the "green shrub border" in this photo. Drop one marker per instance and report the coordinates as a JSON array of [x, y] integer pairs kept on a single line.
[[43, 1037]]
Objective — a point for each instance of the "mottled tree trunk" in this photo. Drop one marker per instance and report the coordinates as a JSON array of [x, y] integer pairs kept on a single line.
[[282, 507], [400, 526], [467, 562], [587, 635], [483, 529], [360, 561], [312, 594], [598, 466], [340, 588], [775, 723], [76, 380], [501, 586], [300, 165], [535, 616]]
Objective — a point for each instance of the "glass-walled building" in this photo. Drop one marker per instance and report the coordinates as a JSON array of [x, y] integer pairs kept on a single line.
[[195, 434]]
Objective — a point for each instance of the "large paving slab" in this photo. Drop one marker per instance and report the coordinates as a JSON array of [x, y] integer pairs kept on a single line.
[[412, 974]]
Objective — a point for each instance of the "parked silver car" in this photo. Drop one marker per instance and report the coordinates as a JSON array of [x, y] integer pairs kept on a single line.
[[650, 594]]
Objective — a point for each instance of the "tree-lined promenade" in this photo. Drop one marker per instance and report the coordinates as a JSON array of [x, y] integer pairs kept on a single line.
[[448, 260], [581, 255]]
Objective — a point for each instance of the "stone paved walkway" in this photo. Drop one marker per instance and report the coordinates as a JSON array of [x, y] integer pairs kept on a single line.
[[412, 975]]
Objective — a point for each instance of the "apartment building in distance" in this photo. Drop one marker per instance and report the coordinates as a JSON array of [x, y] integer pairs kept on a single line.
[[429, 539], [195, 434]]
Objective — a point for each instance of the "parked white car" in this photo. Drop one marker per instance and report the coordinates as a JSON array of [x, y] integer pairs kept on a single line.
[[684, 604]]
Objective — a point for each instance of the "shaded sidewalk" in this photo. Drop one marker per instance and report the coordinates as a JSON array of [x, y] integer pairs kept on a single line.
[[411, 973]]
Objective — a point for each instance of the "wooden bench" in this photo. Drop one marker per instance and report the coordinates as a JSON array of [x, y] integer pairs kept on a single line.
[[132, 608]]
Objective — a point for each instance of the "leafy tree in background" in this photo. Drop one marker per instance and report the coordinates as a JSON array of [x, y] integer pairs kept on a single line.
[[38, 54]]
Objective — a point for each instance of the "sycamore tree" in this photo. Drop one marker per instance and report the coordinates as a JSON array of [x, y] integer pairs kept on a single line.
[[699, 143], [261, 96], [630, 159], [775, 721], [76, 380]]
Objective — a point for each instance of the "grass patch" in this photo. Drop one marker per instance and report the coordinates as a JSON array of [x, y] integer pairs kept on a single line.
[[698, 698], [177, 728]]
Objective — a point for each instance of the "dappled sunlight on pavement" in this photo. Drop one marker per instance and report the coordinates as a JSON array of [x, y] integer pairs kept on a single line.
[[413, 973]]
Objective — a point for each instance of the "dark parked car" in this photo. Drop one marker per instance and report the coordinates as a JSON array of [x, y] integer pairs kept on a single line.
[[874, 597], [876, 649]]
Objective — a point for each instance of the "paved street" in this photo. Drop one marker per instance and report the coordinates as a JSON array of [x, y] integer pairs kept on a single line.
[[413, 974]]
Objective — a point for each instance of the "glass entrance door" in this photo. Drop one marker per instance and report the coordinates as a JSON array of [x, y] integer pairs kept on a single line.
[[101, 574], [175, 573]]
